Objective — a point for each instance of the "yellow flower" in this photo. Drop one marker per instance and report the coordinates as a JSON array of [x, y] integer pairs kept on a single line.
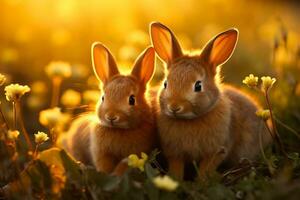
[[267, 82], [50, 117], [2, 79], [165, 183], [264, 114], [13, 135], [63, 122], [58, 69], [71, 98], [14, 92], [251, 81], [91, 96], [136, 162], [40, 137]]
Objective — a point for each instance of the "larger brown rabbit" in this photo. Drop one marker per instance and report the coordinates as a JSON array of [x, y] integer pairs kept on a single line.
[[201, 119], [124, 122]]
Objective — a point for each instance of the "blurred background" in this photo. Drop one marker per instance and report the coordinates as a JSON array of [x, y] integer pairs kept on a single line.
[[35, 33]]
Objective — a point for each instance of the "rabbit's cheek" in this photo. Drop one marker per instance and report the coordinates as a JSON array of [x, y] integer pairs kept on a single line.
[[203, 104]]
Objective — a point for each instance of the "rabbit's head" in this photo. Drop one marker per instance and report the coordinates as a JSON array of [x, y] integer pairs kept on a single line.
[[191, 86], [122, 104]]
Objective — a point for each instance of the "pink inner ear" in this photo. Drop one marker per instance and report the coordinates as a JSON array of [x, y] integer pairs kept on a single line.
[[101, 63], [162, 41], [148, 65], [222, 48]]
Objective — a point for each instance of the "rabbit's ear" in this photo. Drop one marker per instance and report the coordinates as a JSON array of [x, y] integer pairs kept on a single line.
[[104, 64], [144, 66], [219, 49], [164, 42]]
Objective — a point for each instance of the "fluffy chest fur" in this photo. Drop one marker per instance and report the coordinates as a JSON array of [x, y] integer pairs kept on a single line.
[[193, 139], [120, 143]]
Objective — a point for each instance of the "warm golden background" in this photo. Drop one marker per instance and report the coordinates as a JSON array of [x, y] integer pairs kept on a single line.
[[35, 33], [47, 42]]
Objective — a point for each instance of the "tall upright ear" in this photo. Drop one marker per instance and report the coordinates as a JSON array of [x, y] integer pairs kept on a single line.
[[219, 49], [164, 42], [104, 64], [144, 66]]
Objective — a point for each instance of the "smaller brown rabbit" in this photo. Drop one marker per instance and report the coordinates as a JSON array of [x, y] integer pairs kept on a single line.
[[201, 119], [124, 122]]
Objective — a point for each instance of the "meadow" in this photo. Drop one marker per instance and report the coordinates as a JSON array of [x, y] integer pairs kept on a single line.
[[46, 81]]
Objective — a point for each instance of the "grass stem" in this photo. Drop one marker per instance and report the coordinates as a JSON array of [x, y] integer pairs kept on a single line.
[[22, 124], [56, 84]]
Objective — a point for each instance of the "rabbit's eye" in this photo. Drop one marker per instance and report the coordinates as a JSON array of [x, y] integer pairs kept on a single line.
[[102, 98], [132, 100], [165, 84], [198, 86]]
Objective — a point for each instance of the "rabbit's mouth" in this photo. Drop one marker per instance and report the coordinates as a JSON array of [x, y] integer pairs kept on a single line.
[[185, 115], [110, 124]]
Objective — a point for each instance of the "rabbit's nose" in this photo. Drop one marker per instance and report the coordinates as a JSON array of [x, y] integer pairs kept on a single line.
[[112, 118], [175, 108]]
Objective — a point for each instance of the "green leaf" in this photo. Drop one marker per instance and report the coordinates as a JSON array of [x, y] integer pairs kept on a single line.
[[151, 191], [150, 171]]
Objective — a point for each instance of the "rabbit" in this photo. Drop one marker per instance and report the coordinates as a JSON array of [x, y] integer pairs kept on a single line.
[[124, 121], [199, 118]]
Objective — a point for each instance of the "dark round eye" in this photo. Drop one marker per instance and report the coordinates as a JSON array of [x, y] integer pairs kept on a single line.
[[165, 84], [102, 98], [132, 100], [198, 86]]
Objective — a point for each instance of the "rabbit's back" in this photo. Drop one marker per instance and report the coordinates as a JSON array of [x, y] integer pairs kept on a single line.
[[246, 127], [78, 139]]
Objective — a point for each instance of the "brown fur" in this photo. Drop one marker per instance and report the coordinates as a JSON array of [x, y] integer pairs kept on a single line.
[[215, 124], [97, 138]]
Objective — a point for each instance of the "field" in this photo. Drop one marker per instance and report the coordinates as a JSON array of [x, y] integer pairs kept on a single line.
[[47, 80]]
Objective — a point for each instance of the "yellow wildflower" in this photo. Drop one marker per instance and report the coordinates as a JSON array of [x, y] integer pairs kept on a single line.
[[14, 92], [71, 98], [91, 96], [165, 183], [251, 81], [13, 135], [63, 122], [267, 82], [58, 69], [50, 117], [136, 162], [40, 137], [264, 114], [2, 79]]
